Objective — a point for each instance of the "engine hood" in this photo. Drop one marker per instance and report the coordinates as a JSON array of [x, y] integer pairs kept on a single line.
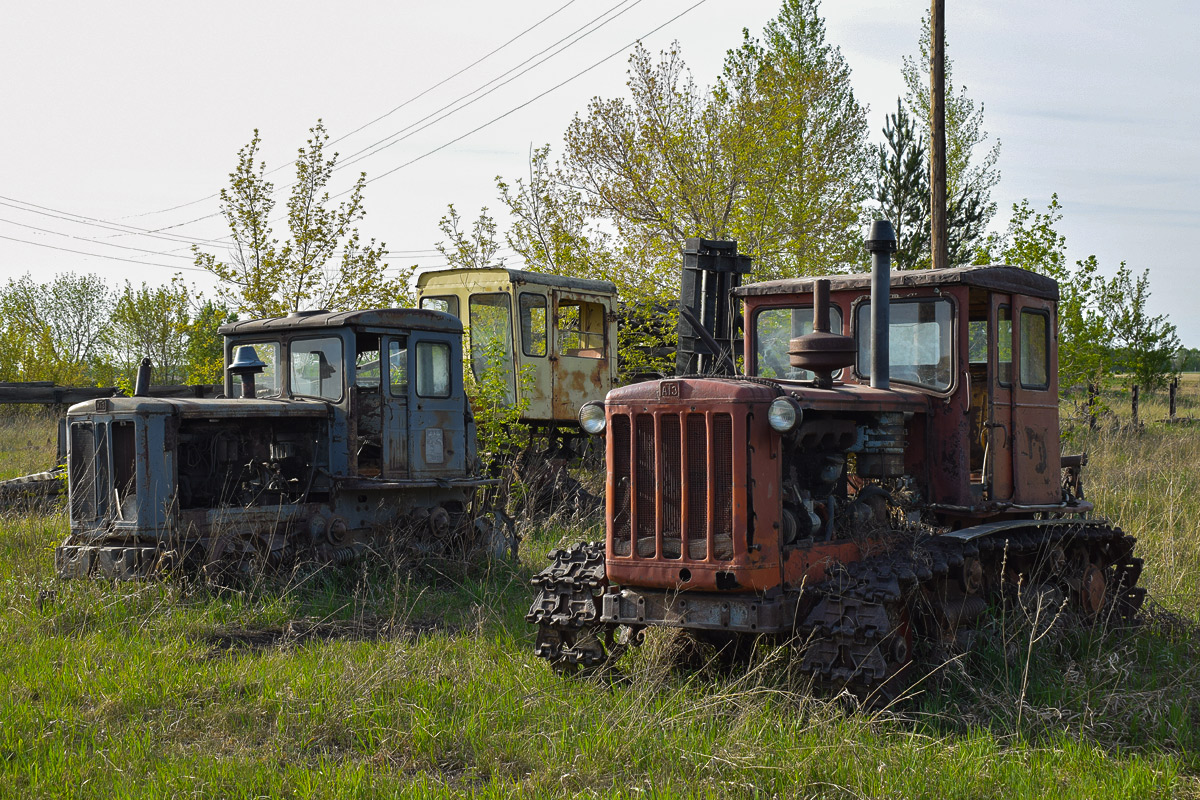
[[230, 408], [842, 397]]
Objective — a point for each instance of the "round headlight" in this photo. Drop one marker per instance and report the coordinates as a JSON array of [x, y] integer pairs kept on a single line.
[[784, 415], [591, 417]]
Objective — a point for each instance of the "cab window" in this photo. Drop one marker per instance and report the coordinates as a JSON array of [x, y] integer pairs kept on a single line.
[[1035, 349], [316, 368], [266, 383], [433, 369], [533, 324], [447, 303], [580, 329], [921, 343], [774, 329], [397, 368]]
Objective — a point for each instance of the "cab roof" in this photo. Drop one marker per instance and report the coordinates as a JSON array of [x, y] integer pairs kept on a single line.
[[402, 318], [470, 277], [997, 277]]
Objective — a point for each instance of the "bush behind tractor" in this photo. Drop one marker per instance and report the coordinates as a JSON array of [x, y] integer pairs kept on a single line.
[[886, 467]]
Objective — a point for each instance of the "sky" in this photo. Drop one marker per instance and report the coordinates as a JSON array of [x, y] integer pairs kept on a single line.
[[122, 120]]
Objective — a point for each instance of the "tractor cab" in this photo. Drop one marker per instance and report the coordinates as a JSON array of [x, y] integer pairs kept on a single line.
[[978, 343], [554, 338], [386, 376]]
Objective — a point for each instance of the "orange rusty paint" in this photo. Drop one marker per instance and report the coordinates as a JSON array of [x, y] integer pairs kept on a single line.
[[806, 565]]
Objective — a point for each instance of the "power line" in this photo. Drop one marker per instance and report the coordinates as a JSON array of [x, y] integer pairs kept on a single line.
[[534, 99], [429, 119], [376, 147], [98, 255], [82, 239], [131, 230], [78, 219], [412, 99]]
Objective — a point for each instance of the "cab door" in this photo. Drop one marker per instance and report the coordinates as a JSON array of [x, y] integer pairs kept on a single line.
[[580, 356], [998, 460], [437, 442], [395, 406], [1035, 442]]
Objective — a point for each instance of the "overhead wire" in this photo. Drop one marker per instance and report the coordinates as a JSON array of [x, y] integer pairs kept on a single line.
[[388, 141], [534, 99], [381, 117], [432, 118], [191, 240]]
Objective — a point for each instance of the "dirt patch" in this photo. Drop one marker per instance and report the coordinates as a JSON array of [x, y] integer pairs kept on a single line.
[[301, 631]]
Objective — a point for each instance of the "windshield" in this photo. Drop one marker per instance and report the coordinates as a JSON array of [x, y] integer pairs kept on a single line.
[[774, 328], [266, 383], [316, 367], [920, 350]]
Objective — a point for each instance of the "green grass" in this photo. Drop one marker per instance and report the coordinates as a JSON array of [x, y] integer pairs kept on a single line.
[[28, 440], [421, 681]]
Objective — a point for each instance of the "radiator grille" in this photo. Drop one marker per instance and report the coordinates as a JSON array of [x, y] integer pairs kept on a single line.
[[671, 486], [672, 478], [83, 472], [697, 499], [621, 531], [645, 484]]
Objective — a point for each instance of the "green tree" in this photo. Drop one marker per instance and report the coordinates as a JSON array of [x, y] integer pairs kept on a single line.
[[150, 321], [1032, 241], [265, 278], [799, 137], [902, 188], [475, 248], [1145, 344], [774, 156], [971, 170], [54, 330], [205, 353]]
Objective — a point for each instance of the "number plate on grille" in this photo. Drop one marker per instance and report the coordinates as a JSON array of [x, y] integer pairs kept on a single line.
[[668, 389]]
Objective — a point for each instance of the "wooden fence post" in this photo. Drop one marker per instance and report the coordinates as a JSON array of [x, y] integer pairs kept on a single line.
[[1174, 390], [1135, 405], [1092, 401]]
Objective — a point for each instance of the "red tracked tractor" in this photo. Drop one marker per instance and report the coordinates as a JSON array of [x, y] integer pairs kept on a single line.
[[886, 467]]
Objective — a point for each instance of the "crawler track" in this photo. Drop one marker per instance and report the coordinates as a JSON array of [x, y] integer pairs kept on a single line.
[[567, 610], [857, 627], [858, 636]]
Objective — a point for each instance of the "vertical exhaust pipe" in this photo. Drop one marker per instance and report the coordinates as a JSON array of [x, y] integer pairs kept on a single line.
[[141, 387], [881, 243]]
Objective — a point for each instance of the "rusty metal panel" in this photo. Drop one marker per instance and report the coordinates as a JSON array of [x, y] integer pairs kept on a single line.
[[1035, 435], [581, 351], [620, 460], [687, 488]]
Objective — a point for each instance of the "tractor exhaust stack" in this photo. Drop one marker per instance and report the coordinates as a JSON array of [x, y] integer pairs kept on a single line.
[[881, 243]]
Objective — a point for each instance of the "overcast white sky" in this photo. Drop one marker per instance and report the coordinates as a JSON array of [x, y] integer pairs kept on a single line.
[[124, 112]]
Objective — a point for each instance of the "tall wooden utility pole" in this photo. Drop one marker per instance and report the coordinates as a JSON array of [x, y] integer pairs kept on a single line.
[[937, 131]]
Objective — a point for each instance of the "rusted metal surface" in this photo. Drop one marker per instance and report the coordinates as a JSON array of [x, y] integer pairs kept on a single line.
[[682, 506], [1000, 278], [558, 335], [825, 509]]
